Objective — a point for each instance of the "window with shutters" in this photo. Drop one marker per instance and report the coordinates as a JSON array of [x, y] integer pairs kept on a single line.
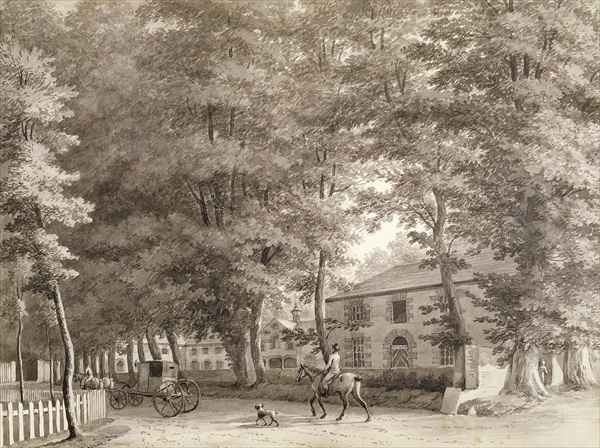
[[207, 365], [359, 312], [358, 352], [219, 365], [399, 311], [194, 365], [205, 350], [194, 351], [446, 355]]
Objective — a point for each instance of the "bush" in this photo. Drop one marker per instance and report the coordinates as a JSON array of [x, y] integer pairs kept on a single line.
[[396, 379]]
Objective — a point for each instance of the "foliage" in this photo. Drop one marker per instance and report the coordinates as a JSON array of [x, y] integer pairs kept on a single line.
[[302, 337]]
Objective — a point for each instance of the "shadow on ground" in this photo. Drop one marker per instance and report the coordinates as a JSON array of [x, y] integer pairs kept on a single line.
[[93, 436]]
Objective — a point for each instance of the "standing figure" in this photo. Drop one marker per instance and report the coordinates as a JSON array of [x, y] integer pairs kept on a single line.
[[543, 371]]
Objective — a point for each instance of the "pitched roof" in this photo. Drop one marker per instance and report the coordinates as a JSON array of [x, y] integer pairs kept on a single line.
[[410, 276], [290, 325], [307, 324]]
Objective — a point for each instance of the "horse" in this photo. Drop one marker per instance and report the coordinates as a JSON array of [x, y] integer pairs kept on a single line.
[[343, 385]]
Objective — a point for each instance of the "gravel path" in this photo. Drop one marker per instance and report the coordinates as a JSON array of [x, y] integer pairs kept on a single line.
[[571, 421]]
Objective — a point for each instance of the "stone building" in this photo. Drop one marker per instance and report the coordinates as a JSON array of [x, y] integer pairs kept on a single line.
[[279, 354], [388, 307]]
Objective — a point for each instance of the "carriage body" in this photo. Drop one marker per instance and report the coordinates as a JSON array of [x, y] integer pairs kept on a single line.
[[160, 381], [152, 375]]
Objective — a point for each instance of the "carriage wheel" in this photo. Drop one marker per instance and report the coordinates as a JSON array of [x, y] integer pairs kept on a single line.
[[118, 399], [168, 400], [132, 398], [191, 394]]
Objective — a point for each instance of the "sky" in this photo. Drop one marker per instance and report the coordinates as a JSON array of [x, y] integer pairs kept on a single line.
[[379, 239], [65, 6]]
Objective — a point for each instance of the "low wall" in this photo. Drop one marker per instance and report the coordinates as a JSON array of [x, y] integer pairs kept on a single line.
[[374, 396], [433, 379]]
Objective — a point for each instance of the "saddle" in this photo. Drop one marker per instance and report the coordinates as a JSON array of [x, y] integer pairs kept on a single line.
[[326, 388]]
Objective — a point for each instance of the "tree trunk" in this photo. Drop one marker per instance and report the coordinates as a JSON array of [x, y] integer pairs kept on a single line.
[[88, 362], [523, 374], [20, 354], [237, 351], [51, 358], [455, 311], [130, 364], [140, 349], [69, 368], [111, 362], [320, 306], [172, 338], [100, 358], [105, 369], [578, 367], [448, 287], [153, 345], [255, 339], [95, 364]]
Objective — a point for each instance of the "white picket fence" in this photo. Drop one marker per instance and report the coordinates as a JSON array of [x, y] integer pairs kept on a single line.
[[13, 394], [8, 372], [25, 421]]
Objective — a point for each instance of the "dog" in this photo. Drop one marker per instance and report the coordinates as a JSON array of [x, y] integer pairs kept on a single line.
[[264, 413]]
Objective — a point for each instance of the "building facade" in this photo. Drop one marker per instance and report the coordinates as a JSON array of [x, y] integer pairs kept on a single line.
[[387, 309], [206, 354], [280, 354]]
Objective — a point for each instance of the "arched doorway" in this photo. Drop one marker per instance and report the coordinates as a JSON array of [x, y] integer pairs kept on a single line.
[[275, 363], [289, 363], [399, 353]]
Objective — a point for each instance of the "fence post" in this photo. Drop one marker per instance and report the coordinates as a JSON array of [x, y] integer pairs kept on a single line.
[[78, 408], [94, 404], [11, 434], [20, 421], [57, 415], [50, 418], [64, 416], [31, 414], [1, 424], [41, 418], [84, 408]]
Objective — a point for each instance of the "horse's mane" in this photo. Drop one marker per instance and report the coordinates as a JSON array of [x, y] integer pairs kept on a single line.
[[312, 369]]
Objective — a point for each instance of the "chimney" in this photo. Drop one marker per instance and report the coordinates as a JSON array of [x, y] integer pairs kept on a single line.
[[296, 314]]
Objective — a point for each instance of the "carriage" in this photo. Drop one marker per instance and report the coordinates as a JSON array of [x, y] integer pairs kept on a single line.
[[158, 380]]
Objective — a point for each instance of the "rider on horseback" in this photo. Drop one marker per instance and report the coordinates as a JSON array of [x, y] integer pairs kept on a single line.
[[332, 369]]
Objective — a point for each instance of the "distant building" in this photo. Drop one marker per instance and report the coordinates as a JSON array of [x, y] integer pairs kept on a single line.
[[389, 304], [279, 354], [205, 354]]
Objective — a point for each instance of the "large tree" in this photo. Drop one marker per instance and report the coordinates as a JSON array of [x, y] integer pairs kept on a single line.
[[526, 68], [32, 191]]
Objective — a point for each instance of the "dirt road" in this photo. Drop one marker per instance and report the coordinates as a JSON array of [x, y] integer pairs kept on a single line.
[[564, 422]]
